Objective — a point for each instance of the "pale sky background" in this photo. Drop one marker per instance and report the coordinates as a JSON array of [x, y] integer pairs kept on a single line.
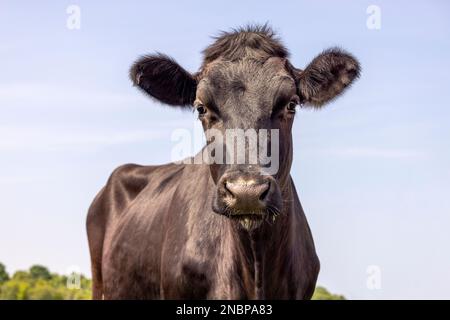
[[372, 169]]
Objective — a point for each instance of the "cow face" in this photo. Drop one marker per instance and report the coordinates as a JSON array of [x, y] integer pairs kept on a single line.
[[247, 104]]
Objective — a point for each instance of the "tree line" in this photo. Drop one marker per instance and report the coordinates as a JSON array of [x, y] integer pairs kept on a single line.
[[38, 283]]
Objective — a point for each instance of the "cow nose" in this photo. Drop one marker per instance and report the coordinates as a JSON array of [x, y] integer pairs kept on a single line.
[[247, 194]]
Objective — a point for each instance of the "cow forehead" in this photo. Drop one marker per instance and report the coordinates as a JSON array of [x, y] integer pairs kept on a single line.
[[245, 71], [246, 84]]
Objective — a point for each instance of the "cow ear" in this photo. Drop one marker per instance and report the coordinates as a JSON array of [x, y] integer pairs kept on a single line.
[[164, 79], [326, 77]]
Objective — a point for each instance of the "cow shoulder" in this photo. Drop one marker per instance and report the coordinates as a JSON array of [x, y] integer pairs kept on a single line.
[[122, 187], [111, 199], [129, 180]]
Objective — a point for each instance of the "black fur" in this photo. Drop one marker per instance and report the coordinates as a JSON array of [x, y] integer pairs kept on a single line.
[[164, 79], [232, 46], [327, 76]]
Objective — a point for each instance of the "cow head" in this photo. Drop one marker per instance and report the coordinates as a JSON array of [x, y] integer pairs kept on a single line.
[[247, 86]]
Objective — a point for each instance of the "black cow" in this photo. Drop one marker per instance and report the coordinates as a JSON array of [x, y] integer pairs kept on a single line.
[[217, 230]]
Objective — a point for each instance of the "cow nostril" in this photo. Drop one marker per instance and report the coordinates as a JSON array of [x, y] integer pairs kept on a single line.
[[265, 192], [227, 190]]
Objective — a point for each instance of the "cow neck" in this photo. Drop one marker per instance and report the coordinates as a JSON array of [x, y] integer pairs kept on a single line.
[[255, 246]]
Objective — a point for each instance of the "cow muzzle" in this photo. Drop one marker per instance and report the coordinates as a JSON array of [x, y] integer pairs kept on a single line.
[[248, 197]]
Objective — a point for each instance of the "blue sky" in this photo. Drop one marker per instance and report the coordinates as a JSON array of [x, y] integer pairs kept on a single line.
[[372, 169]]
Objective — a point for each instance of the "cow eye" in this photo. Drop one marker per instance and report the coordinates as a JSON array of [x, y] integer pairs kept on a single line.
[[201, 109], [292, 105]]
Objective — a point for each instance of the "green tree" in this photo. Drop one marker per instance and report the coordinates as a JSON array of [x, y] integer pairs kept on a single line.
[[4, 276], [14, 290], [323, 294], [39, 284], [43, 290], [40, 272]]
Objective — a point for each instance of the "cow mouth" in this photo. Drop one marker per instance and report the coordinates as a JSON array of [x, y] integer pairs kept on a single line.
[[253, 221]]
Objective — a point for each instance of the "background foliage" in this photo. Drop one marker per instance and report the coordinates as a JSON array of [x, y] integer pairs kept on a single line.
[[38, 283], [323, 294]]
